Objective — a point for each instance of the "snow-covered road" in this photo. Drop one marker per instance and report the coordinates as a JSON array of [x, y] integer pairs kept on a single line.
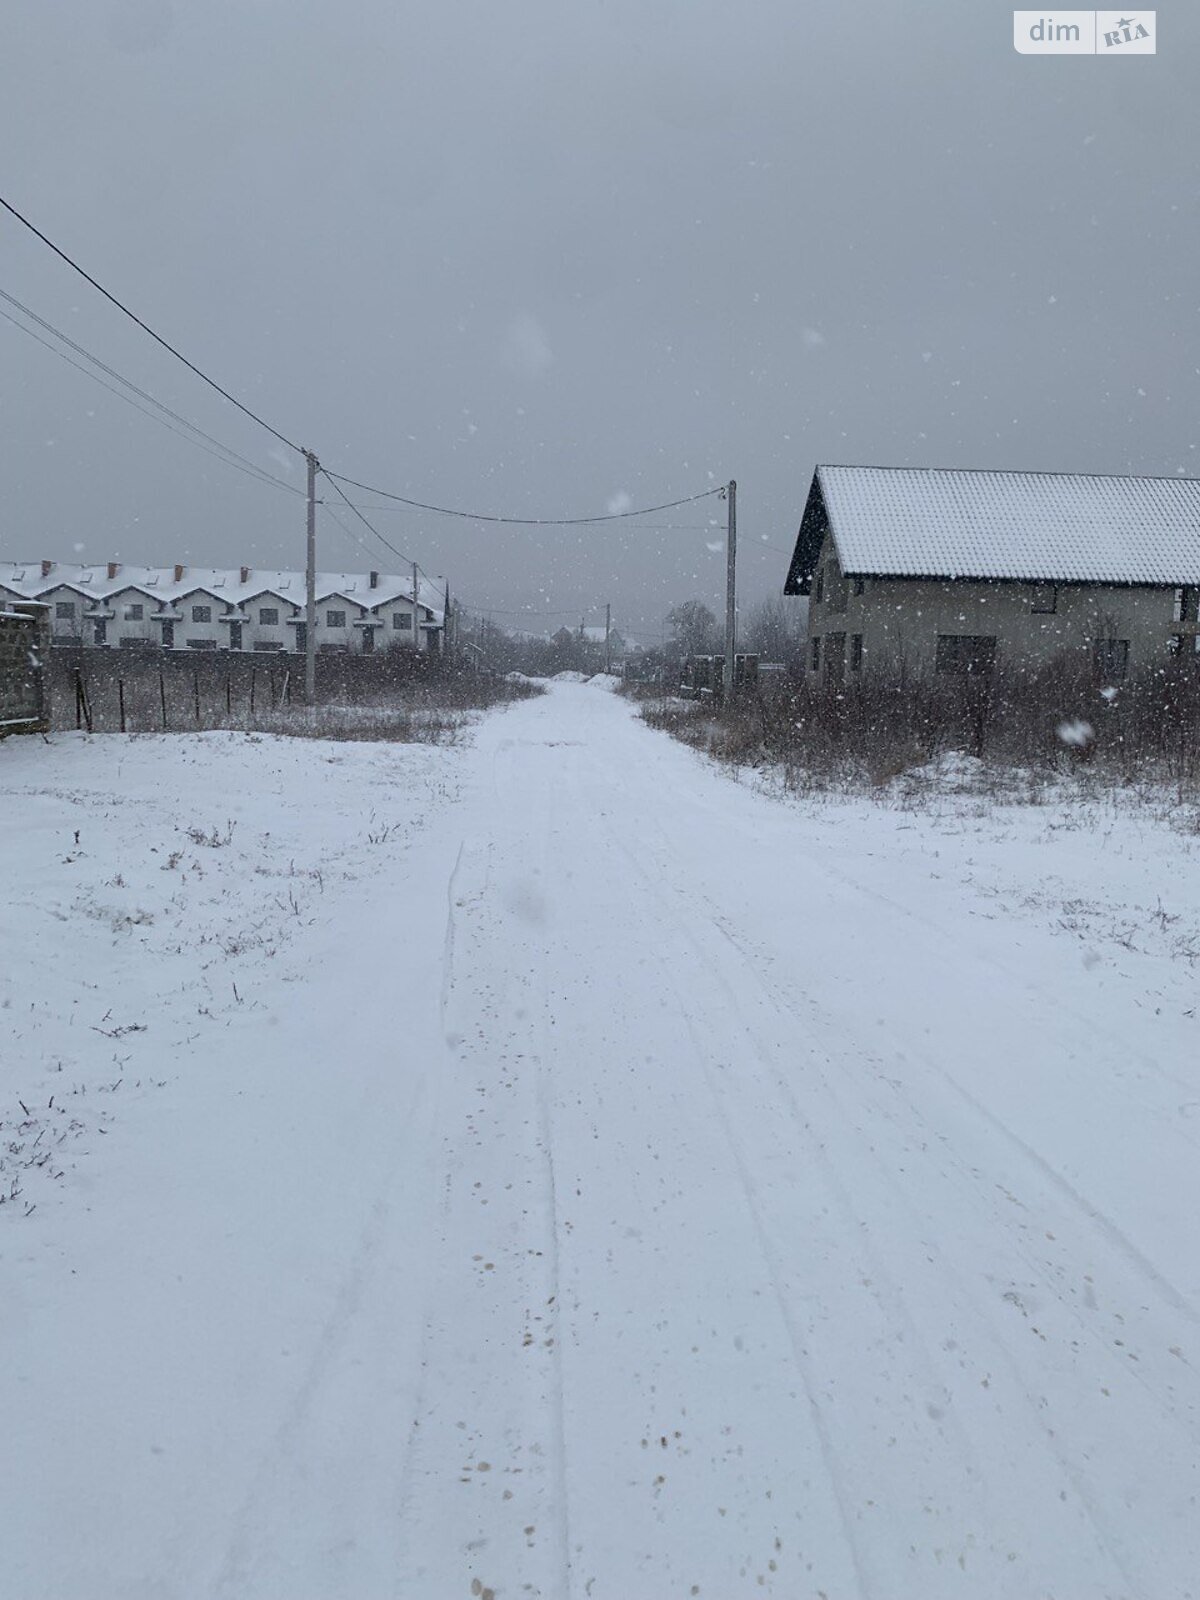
[[633, 1189]]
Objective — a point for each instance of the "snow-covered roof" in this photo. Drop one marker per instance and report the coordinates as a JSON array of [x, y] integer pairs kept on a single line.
[[1034, 526], [25, 578]]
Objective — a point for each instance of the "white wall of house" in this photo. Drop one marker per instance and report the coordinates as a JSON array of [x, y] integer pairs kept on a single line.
[[398, 632], [132, 623], [266, 627], [201, 627], [357, 613], [67, 608]]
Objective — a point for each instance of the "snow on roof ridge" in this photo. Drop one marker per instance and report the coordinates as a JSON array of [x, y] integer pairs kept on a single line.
[[25, 578]]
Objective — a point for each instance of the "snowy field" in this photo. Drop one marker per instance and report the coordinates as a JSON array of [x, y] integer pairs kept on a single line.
[[550, 1167]]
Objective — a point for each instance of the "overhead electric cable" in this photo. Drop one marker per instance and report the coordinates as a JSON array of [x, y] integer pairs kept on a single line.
[[369, 526], [338, 478], [523, 522], [146, 328], [348, 530], [249, 470], [103, 366]]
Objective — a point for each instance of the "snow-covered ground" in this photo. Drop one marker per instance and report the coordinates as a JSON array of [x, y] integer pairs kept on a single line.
[[549, 1167]]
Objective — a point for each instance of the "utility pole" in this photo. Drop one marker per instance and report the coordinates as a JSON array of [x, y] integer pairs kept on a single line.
[[416, 614], [607, 641], [730, 586], [310, 586], [447, 642]]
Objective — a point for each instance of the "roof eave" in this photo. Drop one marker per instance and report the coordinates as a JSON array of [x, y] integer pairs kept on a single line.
[[814, 525]]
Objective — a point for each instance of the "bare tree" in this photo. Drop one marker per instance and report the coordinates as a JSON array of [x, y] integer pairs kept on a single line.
[[694, 628], [776, 630]]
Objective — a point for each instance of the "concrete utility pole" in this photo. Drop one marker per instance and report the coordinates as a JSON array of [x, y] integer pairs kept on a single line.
[[730, 585], [310, 586], [607, 642], [416, 613]]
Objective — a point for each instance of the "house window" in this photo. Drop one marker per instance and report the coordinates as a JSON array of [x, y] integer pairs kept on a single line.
[[1043, 598], [202, 644], [335, 619], [101, 632], [1111, 658], [268, 616], [819, 587], [64, 610], [1187, 604], [302, 636], [965, 653], [134, 641], [856, 649], [401, 619], [168, 629], [860, 585], [333, 649], [201, 614], [263, 645], [134, 613], [814, 655], [235, 636]]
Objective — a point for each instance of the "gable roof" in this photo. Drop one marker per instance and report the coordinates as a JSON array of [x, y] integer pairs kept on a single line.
[[226, 585], [1051, 527]]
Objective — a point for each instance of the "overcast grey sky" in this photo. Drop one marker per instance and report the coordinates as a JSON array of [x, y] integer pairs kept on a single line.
[[525, 258]]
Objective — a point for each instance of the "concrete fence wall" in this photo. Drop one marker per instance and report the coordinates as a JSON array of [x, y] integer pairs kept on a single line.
[[24, 651]]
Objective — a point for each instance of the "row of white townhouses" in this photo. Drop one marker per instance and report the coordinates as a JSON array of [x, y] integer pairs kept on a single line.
[[114, 606]]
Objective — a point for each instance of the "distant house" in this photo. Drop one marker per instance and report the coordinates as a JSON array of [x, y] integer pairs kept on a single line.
[[594, 643], [204, 609], [915, 570]]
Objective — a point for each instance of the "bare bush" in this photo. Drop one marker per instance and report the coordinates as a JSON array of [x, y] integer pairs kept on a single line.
[[393, 698], [1024, 729]]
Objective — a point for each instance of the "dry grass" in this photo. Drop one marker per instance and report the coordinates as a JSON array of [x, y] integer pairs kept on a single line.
[[1020, 734], [430, 708]]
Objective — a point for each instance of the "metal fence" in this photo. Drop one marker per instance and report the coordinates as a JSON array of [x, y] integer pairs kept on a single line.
[[126, 691]]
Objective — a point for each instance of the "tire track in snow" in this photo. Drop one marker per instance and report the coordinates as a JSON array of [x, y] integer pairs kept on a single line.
[[700, 902], [1089, 1215], [485, 1492], [544, 829], [260, 1554], [720, 980], [897, 1308]]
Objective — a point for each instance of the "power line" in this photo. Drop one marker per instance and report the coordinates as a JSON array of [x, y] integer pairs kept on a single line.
[[337, 478], [523, 522], [369, 526], [146, 328], [237, 460], [351, 534], [524, 611], [250, 472]]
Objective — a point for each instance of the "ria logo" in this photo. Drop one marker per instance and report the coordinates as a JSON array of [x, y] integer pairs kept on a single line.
[[1084, 33], [1125, 31]]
